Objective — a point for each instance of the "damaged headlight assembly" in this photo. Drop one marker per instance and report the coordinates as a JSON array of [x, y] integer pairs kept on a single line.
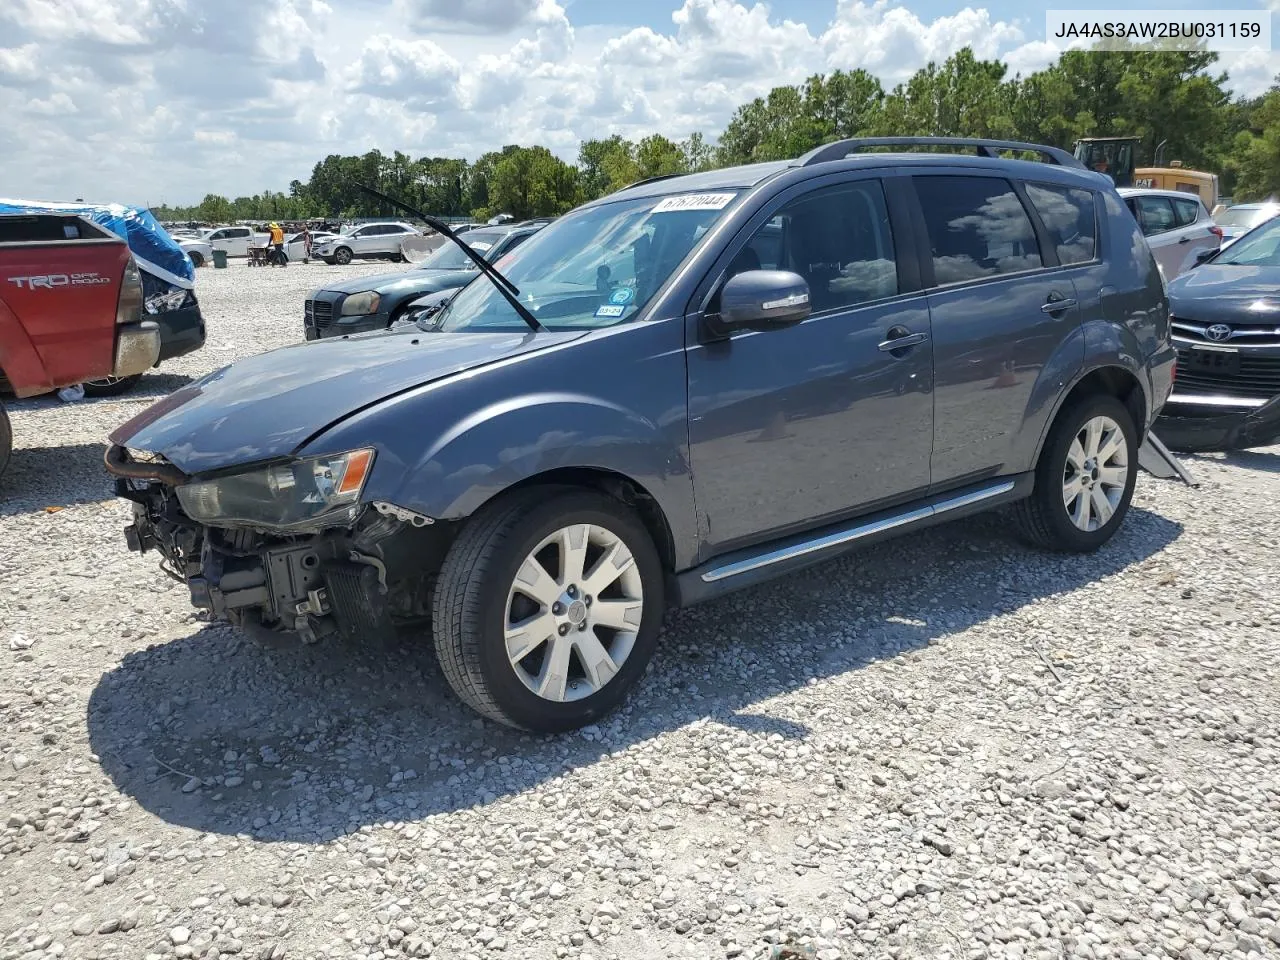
[[303, 493]]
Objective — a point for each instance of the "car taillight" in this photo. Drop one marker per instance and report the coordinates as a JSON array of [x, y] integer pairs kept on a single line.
[[129, 305], [1216, 231]]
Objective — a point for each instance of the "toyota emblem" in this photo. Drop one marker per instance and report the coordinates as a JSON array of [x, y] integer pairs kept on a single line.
[[1219, 332]]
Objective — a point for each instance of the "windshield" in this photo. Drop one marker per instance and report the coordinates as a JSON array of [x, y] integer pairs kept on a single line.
[[1244, 216], [451, 257], [593, 268], [1261, 248]]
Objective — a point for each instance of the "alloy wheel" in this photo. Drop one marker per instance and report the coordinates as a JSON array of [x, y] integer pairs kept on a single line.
[[1095, 474], [573, 612]]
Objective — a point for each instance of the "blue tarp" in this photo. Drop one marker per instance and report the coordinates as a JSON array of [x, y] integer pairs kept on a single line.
[[154, 250]]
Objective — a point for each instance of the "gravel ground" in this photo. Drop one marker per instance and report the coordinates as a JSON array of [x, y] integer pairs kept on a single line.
[[944, 747]]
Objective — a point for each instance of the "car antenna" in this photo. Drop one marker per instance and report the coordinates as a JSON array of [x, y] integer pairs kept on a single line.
[[505, 286]]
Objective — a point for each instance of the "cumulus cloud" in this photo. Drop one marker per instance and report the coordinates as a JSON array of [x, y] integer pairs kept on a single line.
[[478, 16], [155, 100]]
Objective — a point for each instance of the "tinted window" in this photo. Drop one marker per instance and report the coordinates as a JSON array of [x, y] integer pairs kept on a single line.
[[242, 232], [1068, 216], [837, 238], [977, 227], [1155, 214], [1187, 211]]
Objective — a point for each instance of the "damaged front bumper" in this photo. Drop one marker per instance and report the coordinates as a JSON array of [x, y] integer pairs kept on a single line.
[[1201, 427], [357, 583]]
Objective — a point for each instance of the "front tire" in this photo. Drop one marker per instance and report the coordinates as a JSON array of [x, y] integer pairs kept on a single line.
[[110, 386], [547, 609], [1084, 479], [197, 260], [342, 256]]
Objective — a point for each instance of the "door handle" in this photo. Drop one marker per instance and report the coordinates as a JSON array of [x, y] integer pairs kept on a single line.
[[1185, 240], [1058, 304], [900, 339]]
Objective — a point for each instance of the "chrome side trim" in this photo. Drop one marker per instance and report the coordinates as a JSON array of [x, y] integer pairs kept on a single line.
[[855, 533]]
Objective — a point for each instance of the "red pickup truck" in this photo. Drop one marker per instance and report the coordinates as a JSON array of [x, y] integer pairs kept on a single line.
[[71, 308]]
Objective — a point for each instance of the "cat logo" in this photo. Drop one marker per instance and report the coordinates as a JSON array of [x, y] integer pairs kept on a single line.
[[51, 281]]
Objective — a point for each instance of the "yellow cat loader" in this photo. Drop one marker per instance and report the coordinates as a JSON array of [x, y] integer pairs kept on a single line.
[[1116, 157]]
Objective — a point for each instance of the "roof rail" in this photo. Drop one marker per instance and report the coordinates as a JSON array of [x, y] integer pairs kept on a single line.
[[985, 148], [639, 183]]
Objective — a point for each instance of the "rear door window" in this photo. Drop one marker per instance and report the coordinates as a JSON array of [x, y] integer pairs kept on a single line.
[[1068, 214], [977, 227], [1155, 215]]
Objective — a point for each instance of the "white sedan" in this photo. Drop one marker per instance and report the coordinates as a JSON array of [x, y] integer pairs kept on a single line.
[[296, 249]]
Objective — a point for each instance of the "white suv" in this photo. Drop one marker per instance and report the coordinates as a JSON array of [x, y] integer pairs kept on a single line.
[[1176, 225], [368, 241]]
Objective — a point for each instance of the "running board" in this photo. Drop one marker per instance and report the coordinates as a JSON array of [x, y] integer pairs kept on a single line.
[[746, 568], [1155, 458]]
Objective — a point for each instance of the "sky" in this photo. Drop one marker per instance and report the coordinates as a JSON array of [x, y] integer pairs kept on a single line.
[[162, 101]]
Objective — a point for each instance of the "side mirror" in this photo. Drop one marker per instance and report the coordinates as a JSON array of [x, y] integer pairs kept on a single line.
[[761, 300], [1203, 255]]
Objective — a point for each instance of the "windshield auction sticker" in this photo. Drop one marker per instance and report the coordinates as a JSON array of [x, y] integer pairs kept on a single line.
[[694, 201], [1216, 30]]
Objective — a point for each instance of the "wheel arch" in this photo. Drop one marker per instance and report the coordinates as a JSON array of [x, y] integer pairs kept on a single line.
[[1107, 379], [628, 491]]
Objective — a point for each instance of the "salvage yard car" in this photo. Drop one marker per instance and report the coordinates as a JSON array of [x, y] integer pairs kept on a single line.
[[687, 387], [369, 241], [1177, 226], [71, 308], [375, 303], [1226, 328]]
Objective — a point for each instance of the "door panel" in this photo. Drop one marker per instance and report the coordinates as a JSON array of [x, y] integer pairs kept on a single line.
[[995, 325], [792, 427]]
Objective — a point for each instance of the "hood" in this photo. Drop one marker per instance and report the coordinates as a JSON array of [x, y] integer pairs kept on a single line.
[[1224, 293], [269, 405], [405, 282]]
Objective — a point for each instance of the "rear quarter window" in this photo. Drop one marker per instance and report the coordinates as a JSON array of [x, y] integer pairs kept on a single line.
[[1068, 214], [1187, 212]]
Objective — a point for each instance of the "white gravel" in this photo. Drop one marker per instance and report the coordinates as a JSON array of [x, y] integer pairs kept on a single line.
[[944, 747]]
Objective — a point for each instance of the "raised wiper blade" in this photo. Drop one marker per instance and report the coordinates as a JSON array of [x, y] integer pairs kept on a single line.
[[505, 286]]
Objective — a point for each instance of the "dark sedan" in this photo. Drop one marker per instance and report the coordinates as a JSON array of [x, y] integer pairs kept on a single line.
[[1226, 327], [374, 303]]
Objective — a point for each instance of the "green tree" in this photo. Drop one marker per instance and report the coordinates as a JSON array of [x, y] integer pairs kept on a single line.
[[1255, 155], [606, 165], [698, 154], [215, 209], [656, 156], [533, 182]]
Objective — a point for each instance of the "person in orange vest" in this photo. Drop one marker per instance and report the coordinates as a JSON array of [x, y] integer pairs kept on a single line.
[[276, 252]]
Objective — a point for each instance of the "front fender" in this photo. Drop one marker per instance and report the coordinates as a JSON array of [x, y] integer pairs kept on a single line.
[[521, 437]]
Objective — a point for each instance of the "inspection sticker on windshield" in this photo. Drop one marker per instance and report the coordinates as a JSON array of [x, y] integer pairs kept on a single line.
[[622, 295], [611, 310], [694, 201]]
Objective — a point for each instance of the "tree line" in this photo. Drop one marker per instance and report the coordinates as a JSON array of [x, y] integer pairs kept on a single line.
[[1166, 96]]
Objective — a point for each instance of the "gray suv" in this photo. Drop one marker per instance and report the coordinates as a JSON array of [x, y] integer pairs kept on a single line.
[[684, 388]]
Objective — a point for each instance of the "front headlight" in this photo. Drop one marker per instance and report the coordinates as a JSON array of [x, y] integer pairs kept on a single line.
[[285, 495], [361, 303]]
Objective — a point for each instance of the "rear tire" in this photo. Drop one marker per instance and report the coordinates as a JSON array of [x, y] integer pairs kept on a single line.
[[547, 573], [197, 260], [110, 386], [1084, 479], [6, 439]]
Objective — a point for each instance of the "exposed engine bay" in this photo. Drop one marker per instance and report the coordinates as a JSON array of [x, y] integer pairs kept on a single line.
[[349, 583]]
